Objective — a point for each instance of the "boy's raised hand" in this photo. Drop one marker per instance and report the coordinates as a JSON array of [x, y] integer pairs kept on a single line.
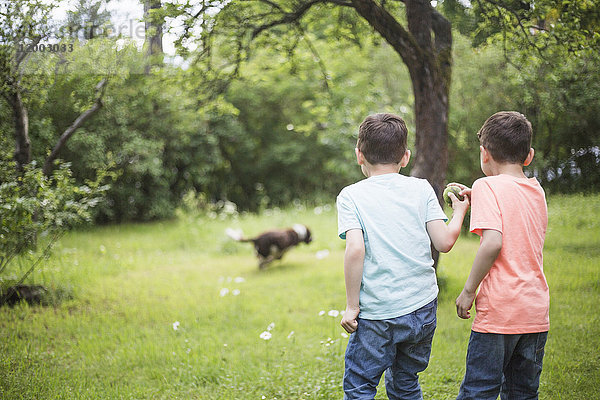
[[465, 191], [459, 205]]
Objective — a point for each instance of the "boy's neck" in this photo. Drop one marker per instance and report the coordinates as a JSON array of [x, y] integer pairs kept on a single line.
[[515, 170], [370, 170]]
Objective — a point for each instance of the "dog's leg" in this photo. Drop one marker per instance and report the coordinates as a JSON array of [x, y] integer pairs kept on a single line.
[[264, 261]]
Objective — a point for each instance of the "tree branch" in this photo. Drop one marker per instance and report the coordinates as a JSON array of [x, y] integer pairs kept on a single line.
[[390, 29], [287, 17], [76, 124]]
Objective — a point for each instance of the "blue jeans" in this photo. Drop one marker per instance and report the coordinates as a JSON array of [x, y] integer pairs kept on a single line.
[[399, 346], [509, 365]]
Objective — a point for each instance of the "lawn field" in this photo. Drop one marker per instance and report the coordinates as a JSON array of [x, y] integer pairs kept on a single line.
[[176, 310]]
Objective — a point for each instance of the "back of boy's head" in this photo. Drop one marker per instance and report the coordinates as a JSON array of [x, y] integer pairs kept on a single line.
[[382, 138], [506, 135]]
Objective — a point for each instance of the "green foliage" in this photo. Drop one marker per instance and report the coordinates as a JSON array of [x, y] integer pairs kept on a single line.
[[276, 123], [36, 208], [561, 98]]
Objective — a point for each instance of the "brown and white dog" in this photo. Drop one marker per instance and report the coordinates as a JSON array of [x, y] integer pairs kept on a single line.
[[272, 245]]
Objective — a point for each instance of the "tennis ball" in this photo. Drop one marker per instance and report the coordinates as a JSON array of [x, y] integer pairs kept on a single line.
[[453, 189]]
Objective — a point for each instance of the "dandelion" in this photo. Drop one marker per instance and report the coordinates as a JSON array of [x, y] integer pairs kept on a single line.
[[333, 313], [266, 335], [321, 313], [271, 326], [175, 325], [224, 292]]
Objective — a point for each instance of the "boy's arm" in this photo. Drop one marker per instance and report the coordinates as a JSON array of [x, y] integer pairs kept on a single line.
[[444, 236], [489, 248], [353, 271]]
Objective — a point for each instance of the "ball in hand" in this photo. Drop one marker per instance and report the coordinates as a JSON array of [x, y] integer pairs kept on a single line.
[[451, 189]]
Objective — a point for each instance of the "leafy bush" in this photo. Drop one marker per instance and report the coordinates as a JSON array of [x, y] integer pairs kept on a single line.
[[36, 210]]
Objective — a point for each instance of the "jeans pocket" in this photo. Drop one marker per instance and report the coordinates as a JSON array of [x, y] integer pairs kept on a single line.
[[539, 348]]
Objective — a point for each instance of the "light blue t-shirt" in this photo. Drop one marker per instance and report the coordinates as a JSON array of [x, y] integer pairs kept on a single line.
[[392, 210]]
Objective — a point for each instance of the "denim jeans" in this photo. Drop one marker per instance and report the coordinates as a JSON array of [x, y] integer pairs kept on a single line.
[[509, 365], [399, 346]]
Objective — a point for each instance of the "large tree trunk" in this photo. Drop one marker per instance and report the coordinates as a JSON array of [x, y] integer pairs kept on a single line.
[[430, 75], [21, 118], [431, 140]]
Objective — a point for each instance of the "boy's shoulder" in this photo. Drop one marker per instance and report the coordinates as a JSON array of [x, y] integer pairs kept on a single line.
[[398, 179], [406, 185], [508, 187]]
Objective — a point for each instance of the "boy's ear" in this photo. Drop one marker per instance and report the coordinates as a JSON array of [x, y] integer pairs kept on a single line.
[[529, 157], [485, 155], [360, 159], [405, 159]]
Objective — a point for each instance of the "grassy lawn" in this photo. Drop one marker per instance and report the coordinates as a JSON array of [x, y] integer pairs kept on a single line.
[[115, 338]]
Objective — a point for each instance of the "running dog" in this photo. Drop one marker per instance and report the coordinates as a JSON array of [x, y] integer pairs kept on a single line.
[[273, 244]]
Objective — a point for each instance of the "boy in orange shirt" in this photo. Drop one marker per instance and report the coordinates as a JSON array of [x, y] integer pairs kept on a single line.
[[509, 213]]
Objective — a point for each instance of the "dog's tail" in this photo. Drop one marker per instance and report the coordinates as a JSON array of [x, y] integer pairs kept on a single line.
[[236, 234]]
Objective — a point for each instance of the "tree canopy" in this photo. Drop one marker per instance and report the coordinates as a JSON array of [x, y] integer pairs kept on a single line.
[[264, 108]]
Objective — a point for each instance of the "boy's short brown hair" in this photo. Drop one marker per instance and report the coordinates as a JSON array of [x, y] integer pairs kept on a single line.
[[507, 136], [382, 138]]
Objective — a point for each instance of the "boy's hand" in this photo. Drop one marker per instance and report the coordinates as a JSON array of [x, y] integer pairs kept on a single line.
[[349, 322], [465, 191], [460, 206], [464, 302]]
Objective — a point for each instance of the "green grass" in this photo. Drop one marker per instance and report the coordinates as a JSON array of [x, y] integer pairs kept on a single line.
[[114, 338]]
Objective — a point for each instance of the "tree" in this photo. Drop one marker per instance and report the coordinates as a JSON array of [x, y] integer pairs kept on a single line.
[[88, 20], [424, 43], [23, 26], [418, 32]]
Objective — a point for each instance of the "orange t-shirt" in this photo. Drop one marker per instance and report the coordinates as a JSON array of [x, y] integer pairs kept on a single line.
[[513, 297]]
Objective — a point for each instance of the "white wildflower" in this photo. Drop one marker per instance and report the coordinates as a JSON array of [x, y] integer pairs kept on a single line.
[[271, 326], [239, 279], [175, 325], [333, 313], [290, 335], [224, 292], [235, 292], [321, 313], [266, 335]]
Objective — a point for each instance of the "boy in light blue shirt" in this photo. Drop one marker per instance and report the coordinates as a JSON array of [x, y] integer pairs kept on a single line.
[[389, 222]]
